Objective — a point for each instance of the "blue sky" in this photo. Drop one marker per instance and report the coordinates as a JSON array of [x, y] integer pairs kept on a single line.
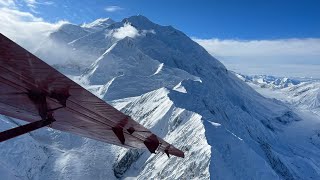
[[225, 19], [278, 37]]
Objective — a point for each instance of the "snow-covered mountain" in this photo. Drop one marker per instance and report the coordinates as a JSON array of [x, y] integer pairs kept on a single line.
[[170, 84], [303, 93], [267, 81]]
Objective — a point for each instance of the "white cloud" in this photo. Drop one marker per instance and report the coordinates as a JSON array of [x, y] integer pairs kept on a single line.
[[113, 8], [129, 31], [253, 56], [24, 28], [126, 31]]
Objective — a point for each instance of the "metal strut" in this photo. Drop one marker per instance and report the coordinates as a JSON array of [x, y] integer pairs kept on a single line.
[[11, 133], [39, 98]]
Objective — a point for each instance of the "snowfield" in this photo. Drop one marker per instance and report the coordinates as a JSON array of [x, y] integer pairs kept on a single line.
[[170, 84]]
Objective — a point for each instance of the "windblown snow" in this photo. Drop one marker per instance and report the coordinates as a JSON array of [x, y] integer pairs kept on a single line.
[[170, 84]]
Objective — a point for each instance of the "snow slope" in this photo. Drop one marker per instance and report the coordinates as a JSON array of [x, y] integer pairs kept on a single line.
[[167, 82]]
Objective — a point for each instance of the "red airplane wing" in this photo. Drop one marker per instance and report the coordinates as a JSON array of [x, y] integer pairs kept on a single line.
[[32, 90]]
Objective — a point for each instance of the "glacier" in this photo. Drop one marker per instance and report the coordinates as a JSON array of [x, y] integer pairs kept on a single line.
[[170, 84]]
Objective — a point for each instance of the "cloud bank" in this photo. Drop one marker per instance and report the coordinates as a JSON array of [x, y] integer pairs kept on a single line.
[[25, 28], [289, 57], [261, 48]]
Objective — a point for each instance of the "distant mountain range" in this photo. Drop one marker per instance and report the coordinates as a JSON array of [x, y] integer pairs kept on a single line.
[[301, 92]]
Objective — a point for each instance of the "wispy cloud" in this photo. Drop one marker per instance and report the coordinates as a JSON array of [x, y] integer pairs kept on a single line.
[[266, 56], [25, 28], [32, 4], [113, 8], [7, 3]]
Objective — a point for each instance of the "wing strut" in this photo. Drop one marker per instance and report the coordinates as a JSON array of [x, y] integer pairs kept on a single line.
[[11, 133], [39, 98]]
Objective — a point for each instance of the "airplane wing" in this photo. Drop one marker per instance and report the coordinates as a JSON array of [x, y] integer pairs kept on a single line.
[[33, 91]]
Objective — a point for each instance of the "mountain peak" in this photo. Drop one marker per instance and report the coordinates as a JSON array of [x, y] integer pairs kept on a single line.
[[139, 21], [137, 17], [99, 23]]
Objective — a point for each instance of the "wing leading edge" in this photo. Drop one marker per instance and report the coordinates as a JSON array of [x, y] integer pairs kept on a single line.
[[32, 90]]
